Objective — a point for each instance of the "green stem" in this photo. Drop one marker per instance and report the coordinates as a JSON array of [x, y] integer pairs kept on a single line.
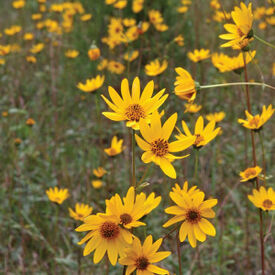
[[133, 159], [263, 41], [179, 254], [144, 174], [196, 164], [263, 155], [237, 84]]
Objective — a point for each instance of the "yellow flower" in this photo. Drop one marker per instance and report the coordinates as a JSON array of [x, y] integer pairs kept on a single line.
[[129, 22], [36, 16], [133, 107], [161, 27], [71, 53], [2, 61], [12, 30], [102, 65], [185, 87], [155, 68], [263, 198], [137, 6], [91, 84], [240, 32], [121, 4], [105, 236], [57, 195], [143, 257], [217, 117], [193, 210], [30, 122], [184, 190], [116, 67], [156, 145], [132, 209], [225, 63], [5, 50], [97, 184], [250, 173], [19, 4], [94, 53], [179, 40], [155, 17], [256, 122], [37, 48], [198, 55], [81, 211], [28, 36], [17, 141], [99, 172], [131, 55], [5, 113], [86, 17], [192, 108], [202, 135], [116, 147], [31, 59]]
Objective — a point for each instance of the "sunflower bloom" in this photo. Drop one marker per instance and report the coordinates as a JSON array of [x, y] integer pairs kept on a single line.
[[99, 172], [193, 210], [199, 55], [185, 86], [116, 147], [217, 117], [81, 211], [133, 107], [57, 195], [105, 236], [142, 257], [256, 122], [133, 208], [239, 33], [250, 173], [263, 198], [203, 135], [156, 145], [155, 68], [91, 84]]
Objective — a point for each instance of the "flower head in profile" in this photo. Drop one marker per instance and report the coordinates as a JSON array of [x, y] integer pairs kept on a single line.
[[239, 34], [135, 106], [156, 143], [203, 135], [256, 122], [91, 84], [193, 210], [185, 86], [131, 56], [99, 172], [105, 235], [116, 147], [81, 211], [250, 173], [192, 108], [155, 68], [132, 208], [94, 53], [97, 184], [30, 121], [263, 198], [143, 257], [57, 195], [217, 117], [71, 53], [198, 55]]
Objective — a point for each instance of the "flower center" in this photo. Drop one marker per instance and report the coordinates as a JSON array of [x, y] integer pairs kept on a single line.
[[193, 216], [135, 112], [254, 122], [250, 172], [109, 230], [159, 147], [142, 263], [240, 33], [267, 203], [198, 140], [125, 218]]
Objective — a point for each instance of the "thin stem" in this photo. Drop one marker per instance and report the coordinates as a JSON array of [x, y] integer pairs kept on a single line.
[[133, 159], [237, 84], [179, 254], [144, 174], [263, 155], [263, 41], [255, 164], [196, 164]]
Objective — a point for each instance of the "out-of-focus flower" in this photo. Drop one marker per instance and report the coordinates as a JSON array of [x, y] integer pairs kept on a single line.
[[37, 48], [217, 117], [99, 172], [116, 147], [19, 4], [86, 17], [13, 30], [103, 64], [131, 56], [179, 40], [94, 53], [198, 55], [115, 67], [129, 22], [97, 184], [192, 108], [155, 68], [57, 195], [137, 6], [28, 36], [71, 53], [81, 211], [30, 122], [91, 84], [17, 141]]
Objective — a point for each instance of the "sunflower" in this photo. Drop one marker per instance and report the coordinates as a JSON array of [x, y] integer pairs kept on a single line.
[[203, 135], [142, 257], [99, 172], [184, 190], [250, 173], [155, 68], [156, 145], [133, 107], [91, 84], [105, 235], [185, 86], [263, 198], [240, 33], [133, 208], [192, 108], [116, 147], [198, 55], [115, 67], [256, 122], [193, 210], [217, 117], [57, 195], [81, 211]]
